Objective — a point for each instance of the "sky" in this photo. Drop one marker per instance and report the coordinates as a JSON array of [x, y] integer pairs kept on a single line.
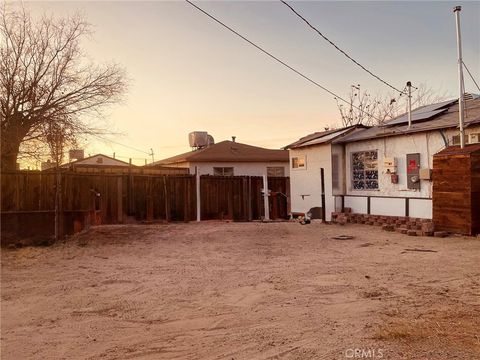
[[188, 73]]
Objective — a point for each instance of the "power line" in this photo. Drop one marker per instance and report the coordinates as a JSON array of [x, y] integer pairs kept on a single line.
[[336, 47], [135, 149], [469, 73], [116, 142], [277, 59]]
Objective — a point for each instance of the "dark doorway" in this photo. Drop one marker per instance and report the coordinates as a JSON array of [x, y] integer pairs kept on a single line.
[[322, 180]]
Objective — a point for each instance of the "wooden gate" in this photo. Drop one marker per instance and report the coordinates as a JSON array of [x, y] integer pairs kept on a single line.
[[240, 198]]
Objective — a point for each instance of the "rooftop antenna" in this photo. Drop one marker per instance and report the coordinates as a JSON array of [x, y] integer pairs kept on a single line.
[[456, 11], [409, 100]]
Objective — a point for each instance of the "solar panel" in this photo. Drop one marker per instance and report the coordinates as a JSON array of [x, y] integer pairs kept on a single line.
[[423, 113]]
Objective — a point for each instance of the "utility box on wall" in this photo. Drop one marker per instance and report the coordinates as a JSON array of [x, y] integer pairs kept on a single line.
[[413, 169], [389, 165], [425, 174]]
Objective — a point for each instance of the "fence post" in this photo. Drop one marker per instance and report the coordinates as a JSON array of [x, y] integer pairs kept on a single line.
[[265, 198], [249, 204], [119, 200], [167, 200], [197, 184]]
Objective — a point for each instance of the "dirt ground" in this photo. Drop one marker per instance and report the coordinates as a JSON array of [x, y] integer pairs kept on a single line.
[[217, 290]]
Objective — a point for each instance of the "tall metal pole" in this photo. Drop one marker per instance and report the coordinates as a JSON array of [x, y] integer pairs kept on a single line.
[[265, 198], [456, 11], [409, 100]]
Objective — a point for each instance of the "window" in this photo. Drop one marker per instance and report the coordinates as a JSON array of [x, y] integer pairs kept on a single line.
[[456, 139], [365, 170], [298, 162], [223, 171], [275, 171]]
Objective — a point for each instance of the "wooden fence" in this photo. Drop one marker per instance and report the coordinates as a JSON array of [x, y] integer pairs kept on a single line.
[[240, 198], [118, 198]]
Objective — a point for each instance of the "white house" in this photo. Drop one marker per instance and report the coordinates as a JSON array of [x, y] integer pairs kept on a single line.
[[382, 170], [97, 161], [388, 168], [315, 172], [231, 158]]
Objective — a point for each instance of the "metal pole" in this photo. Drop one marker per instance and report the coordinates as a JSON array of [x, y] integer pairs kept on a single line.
[[456, 11], [409, 99], [265, 198]]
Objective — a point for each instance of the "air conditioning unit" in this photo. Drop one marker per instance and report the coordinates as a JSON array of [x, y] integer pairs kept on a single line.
[[474, 138]]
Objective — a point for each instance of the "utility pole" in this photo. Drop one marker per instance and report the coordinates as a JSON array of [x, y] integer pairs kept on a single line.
[[456, 11], [151, 154], [409, 101]]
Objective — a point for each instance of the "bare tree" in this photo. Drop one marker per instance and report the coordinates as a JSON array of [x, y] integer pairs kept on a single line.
[[369, 110], [45, 79]]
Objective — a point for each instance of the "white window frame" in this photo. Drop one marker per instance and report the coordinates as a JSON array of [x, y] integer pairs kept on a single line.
[[275, 170], [223, 169], [300, 166]]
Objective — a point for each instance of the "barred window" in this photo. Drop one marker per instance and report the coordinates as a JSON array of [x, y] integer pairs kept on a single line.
[[365, 170]]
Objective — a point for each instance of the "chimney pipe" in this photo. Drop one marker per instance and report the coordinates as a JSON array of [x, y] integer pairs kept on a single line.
[[461, 85], [233, 138]]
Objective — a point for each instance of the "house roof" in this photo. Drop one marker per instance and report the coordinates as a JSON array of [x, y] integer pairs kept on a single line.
[[438, 116], [84, 161], [324, 136], [228, 151]]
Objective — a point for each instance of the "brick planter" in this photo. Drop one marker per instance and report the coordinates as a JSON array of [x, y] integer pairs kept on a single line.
[[404, 225]]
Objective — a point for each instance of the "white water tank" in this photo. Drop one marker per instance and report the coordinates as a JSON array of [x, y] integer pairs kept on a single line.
[[200, 139]]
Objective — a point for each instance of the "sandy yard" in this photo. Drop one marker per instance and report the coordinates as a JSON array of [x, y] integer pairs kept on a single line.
[[242, 291]]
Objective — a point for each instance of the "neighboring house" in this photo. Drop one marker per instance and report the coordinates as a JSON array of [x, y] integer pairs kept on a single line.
[[382, 170], [313, 162], [100, 163], [97, 162], [229, 158]]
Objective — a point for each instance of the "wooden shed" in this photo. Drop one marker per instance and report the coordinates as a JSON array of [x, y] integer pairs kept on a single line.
[[456, 189]]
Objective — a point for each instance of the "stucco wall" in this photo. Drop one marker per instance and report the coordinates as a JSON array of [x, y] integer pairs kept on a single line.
[[307, 181], [427, 144], [239, 168]]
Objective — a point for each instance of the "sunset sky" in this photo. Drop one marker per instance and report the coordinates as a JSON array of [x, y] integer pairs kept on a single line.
[[188, 73]]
